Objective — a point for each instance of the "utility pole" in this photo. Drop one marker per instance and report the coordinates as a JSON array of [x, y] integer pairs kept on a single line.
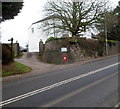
[[106, 41], [11, 51], [106, 44]]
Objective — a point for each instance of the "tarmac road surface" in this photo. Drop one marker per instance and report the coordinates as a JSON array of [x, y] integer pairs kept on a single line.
[[92, 84]]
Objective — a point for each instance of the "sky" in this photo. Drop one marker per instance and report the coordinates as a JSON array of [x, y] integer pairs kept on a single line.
[[17, 28]]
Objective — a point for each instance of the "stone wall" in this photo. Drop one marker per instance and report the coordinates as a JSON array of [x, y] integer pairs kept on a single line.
[[82, 50], [16, 49], [52, 52], [55, 45]]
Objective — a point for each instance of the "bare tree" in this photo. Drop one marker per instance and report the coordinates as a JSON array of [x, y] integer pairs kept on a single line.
[[74, 17]]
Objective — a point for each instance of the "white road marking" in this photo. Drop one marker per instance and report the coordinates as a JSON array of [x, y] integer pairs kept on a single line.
[[67, 96], [117, 105], [53, 85]]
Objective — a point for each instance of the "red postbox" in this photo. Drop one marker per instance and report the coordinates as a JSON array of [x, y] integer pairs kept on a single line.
[[65, 57]]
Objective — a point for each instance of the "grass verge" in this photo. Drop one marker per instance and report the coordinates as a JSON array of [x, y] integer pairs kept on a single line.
[[14, 68]]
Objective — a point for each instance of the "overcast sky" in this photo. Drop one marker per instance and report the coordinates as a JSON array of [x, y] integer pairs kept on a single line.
[[17, 28]]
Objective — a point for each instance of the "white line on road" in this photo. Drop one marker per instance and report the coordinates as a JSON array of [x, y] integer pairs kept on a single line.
[[117, 105], [53, 85], [67, 96]]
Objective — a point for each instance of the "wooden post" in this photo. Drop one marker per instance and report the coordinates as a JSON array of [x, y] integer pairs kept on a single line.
[[11, 52]]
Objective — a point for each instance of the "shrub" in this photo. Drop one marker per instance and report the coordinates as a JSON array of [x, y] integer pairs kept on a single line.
[[6, 56], [101, 41], [50, 39], [73, 41], [112, 42]]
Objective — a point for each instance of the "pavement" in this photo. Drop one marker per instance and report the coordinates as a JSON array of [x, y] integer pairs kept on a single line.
[[31, 60]]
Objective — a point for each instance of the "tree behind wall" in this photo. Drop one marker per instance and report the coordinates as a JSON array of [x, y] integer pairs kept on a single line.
[[73, 17]]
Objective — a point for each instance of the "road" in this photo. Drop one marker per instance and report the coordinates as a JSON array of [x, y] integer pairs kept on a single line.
[[92, 84]]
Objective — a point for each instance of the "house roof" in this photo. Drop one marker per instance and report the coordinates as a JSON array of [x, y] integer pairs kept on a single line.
[[47, 18]]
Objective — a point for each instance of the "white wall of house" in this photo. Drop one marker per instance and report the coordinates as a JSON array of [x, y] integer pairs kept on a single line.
[[88, 33], [34, 36]]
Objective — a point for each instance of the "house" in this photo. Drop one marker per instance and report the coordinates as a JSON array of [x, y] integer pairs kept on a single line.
[[35, 34], [90, 34]]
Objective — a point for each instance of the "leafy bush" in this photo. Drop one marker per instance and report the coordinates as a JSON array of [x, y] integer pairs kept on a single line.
[[73, 41], [102, 41], [6, 56], [50, 39], [112, 42]]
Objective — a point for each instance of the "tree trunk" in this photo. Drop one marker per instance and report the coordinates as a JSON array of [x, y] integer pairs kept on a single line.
[[73, 35]]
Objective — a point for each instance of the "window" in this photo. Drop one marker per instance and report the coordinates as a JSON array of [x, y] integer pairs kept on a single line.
[[32, 30]]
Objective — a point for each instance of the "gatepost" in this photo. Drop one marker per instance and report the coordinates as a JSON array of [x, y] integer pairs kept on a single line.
[[41, 47]]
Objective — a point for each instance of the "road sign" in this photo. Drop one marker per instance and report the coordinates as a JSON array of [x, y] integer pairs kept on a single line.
[[64, 49]]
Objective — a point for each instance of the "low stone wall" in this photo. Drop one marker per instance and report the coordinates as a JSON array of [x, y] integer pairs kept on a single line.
[[57, 57], [82, 50], [16, 49], [52, 52], [55, 45]]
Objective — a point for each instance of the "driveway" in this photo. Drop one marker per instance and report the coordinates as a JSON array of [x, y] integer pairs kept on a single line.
[[38, 67]]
